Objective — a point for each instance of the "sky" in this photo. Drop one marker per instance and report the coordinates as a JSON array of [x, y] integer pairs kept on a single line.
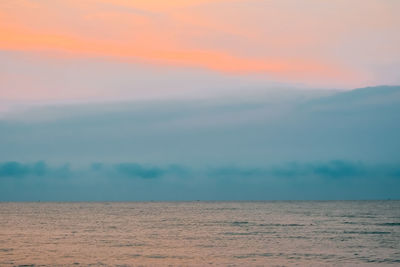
[[199, 100]]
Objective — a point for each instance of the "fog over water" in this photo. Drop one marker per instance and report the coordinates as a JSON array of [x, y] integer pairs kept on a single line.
[[279, 145]]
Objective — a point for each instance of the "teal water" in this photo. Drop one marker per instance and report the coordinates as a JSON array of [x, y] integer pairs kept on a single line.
[[328, 233]]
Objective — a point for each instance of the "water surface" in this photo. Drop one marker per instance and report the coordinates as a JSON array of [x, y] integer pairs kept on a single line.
[[200, 233]]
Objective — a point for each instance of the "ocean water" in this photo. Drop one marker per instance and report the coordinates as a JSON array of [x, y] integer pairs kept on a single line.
[[332, 233]]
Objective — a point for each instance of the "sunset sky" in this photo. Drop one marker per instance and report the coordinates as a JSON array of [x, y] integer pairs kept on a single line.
[[208, 89], [112, 49]]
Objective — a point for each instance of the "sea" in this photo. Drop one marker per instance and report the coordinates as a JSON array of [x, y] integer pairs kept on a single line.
[[272, 233]]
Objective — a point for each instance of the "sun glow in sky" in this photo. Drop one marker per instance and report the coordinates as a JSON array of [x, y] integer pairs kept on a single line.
[[318, 44]]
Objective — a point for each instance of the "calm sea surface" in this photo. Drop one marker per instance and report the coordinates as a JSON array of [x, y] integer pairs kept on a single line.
[[201, 233]]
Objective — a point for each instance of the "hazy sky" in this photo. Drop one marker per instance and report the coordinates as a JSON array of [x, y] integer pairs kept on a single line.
[[112, 49], [199, 99]]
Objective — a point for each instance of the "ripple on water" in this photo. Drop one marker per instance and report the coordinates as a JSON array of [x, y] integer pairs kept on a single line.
[[367, 232], [186, 234], [389, 224]]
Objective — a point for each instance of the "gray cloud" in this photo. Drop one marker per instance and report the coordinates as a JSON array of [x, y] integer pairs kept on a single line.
[[16, 169], [37, 169], [330, 169], [137, 170]]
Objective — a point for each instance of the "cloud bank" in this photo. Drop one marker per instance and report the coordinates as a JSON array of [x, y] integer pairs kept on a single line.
[[300, 146]]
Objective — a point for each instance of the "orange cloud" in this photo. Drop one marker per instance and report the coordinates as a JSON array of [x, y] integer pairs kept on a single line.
[[160, 5], [24, 39]]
